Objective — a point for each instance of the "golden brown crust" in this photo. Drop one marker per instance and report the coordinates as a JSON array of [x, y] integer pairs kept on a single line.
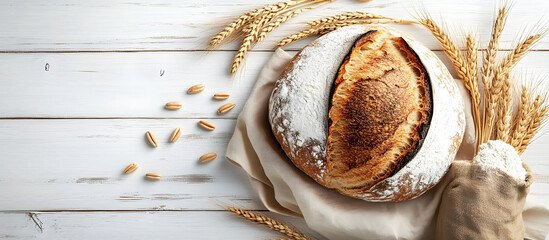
[[380, 106]]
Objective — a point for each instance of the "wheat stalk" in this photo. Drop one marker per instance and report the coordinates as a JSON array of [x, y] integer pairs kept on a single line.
[[331, 26], [487, 72], [263, 21], [228, 30], [346, 16], [267, 15], [243, 50], [539, 116], [467, 71], [503, 123], [472, 78], [326, 28], [503, 83], [242, 20], [490, 57], [252, 35], [450, 48], [297, 36], [271, 223], [283, 18]]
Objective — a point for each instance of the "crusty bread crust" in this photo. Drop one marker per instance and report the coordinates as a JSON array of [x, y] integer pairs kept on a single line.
[[300, 157], [380, 104]]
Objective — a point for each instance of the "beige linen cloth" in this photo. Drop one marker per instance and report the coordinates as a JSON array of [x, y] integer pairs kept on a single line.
[[284, 189]]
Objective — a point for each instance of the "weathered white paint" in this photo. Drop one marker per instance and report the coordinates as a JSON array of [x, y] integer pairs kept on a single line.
[[129, 85], [164, 225], [106, 25], [62, 164], [115, 64]]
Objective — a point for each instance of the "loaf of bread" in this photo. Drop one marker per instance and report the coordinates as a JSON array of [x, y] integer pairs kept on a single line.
[[369, 112]]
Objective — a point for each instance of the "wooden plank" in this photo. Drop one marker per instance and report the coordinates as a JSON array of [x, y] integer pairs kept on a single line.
[[119, 25], [140, 225], [129, 85], [77, 164], [61, 164], [121, 85]]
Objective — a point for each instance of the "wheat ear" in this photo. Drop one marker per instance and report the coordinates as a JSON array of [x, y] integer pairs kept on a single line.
[[522, 118], [450, 48], [331, 26], [297, 36], [472, 78], [453, 52], [228, 30], [539, 116], [503, 123], [490, 57], [346, 16], [283, 18], [251, 36], [241, 21], [504, 83], [271, 223]]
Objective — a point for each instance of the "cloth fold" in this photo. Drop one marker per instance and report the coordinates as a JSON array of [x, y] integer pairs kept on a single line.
[[284, 189]]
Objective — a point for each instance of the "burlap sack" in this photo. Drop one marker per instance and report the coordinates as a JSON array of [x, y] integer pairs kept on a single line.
[[284, 189], [481, 204]]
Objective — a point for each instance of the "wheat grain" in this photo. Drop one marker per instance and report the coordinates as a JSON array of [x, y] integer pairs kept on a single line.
[[225, 108], [131, 168], [175, 135], [153, 176], [208, 157], [221, 96], [152, 139], [271, 223]]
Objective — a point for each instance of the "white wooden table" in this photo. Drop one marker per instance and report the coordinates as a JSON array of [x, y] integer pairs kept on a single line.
[[82, 81]]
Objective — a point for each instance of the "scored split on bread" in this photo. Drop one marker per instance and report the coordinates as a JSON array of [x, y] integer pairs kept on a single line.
[[380, 104]]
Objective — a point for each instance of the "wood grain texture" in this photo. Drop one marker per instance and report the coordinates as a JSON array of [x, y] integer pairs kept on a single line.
[[78, 165], [140, 25], [121, 85], [164, 225], [137, 85], [60, 164], [81, 83]]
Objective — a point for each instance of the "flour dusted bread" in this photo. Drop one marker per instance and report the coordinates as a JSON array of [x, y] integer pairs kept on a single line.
[[369, 112]]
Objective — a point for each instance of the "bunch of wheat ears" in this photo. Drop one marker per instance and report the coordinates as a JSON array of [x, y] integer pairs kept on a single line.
[[254, 25], [492, 111]]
